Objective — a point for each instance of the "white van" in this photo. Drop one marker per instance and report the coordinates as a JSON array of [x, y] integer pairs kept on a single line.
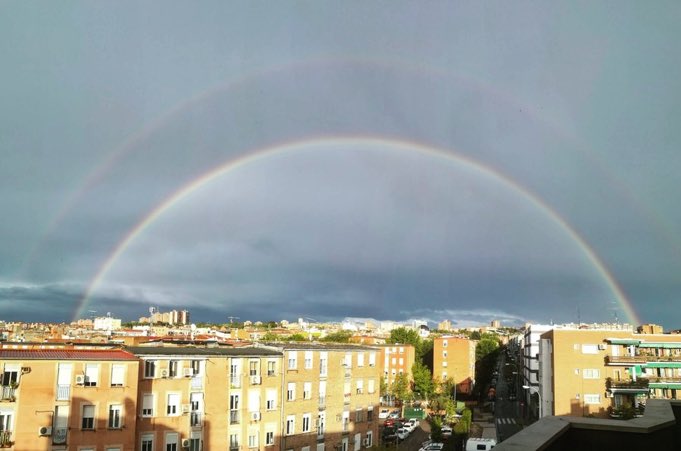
[[482, 444]]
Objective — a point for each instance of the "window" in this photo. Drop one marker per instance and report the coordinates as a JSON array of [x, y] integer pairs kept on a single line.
[[320, 447], [254, 401], [444, 343], [359, 416], [171, 441], [269, 438], [271, 367], [444, 354], [149, 369], [372, 386], [308, 360], [394, 361], [323, 364], [291, 391], [147, 405], [253, 368], [592, 399], [347, 362], [401, 350], [195, 365], [115, 416], [290, 424], [117, 375], [444, 364], [370, 439], [195, 444], [370, 413], [88, 417], [322, 393], [589, 349], [5, 421], [271, 400], [360, 359], [360, 387], [91, 375], [372, 359], [307, 390], [401, 361], [173, 404], [235, 373], [357, 441], [591, 373], [253, 440], [321, 422], [306, 422], [292, 360], [173, 367], [234, 441], [147, 442]]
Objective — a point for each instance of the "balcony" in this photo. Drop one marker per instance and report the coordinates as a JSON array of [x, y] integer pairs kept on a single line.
[[59, 435], [641, 383], [63, 392], [196, 419], [640, 359], [346, 398], [234, 416], [5, 439], [322, 403], [8, 392]]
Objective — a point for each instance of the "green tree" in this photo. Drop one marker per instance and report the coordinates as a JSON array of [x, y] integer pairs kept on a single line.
[[383, 389], [404, 336], [400, 387], [422, 348], [485, 346], [447, 387], [342, 336], [423, 380], [269, 336], [297, 337], [475, 335]]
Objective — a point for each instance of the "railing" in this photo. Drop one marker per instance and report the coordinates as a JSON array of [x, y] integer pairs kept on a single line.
[[664, 380], [322, 402], [59, 435], [63, 392], [8, 392], [639, 383], [195, 419], [346, 398], [611, 359], [234, 416], [234, 381], [5, 439]]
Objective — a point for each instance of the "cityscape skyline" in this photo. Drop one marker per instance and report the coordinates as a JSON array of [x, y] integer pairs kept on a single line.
[[466, 162]]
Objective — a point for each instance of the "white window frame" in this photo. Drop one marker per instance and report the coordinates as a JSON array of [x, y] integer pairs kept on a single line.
[[592, 398], [307, 390], [591, 373], [117, 375], [173, 409], [308, 360], [149, 439], [92, 407], [290, 425], [91, 372], [372, 358], [291, 391], [115, 421], [150, 406], [292, 360], [150, 367], [307, 421]]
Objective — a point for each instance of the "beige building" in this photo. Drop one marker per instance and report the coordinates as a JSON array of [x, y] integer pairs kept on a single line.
[[331, 395], [588, 371], [454, 358], [209, 398], [58, 398], [396, 359]]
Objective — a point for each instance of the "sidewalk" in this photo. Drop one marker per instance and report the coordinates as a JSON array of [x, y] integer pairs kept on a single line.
[[485, 422]]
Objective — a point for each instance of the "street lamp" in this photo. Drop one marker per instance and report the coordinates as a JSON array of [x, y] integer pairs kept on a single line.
[[536, 390]]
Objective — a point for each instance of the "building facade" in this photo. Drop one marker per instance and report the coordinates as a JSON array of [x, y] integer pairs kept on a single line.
[[396, 359], [454, 358]]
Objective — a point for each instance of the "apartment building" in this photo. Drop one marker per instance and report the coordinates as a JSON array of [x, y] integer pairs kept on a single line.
[[588, 371], [209, 398], [330, 397], [396, 359], [454, 358], [59, 398]]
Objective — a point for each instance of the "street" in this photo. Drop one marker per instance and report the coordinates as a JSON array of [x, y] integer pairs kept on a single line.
[[507, 415]]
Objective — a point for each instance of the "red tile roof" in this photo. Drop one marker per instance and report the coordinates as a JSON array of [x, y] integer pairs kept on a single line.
[[66, 354]]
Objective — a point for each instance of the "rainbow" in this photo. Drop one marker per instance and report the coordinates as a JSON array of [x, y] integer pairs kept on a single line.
[[398, 145]]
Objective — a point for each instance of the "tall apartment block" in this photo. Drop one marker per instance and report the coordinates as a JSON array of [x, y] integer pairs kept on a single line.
[[59, 399], [330, 397], [209, 398], [454, 358], [585, 372], [396, 359]]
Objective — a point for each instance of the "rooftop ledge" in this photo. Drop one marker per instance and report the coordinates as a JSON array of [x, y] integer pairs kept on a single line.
[[542, 434]]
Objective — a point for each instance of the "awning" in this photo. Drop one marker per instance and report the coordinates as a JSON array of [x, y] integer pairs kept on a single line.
[[623, 341], [674, 385], [659, 364], [667, 345]]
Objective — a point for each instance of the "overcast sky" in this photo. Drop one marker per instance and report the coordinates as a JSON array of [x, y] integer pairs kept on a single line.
[[392, 160]]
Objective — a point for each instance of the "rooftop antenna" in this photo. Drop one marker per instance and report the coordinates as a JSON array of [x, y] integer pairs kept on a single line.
[[579, 316]]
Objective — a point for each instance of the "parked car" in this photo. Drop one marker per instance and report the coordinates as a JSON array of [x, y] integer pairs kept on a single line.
[[395, 414], [480, 444], [412, 423], [403, 433], [389, 434], [383, 414], [446, 431], [432, 446]]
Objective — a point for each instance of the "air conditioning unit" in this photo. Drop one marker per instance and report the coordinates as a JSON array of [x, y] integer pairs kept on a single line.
[[164, 373], [185, 443], [255, 416], [186, 408], [45, 430], [188, 372], [80, 379], [602, 347], [255, 380]]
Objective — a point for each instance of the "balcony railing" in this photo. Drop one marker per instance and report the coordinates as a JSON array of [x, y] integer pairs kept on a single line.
[[196, 419], [639, 383], [234, 416], [346, 398], [641, 358], [322, 402], [63, 392], [8, 392], [664, 380], [5, 439], [234, 381]]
